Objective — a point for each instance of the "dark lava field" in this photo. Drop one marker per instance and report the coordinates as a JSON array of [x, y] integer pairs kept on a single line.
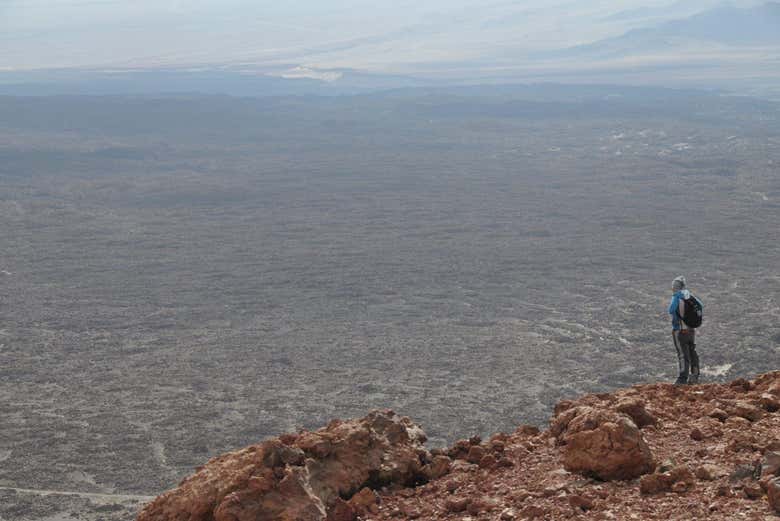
[[184, 276]]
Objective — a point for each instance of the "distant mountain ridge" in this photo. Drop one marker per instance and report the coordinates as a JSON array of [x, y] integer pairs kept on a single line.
[[758, 25], [723, 47], [726, 26]]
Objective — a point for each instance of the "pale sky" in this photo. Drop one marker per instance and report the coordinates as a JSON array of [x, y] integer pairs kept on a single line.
[[384, 35]]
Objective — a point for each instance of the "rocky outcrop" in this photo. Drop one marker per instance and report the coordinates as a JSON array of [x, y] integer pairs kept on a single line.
[[718, 448], [303, 476], [773, 494], [677, 479], [601, 443]]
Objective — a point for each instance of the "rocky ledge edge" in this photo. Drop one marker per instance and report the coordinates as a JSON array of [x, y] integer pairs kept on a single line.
[[654, 451]]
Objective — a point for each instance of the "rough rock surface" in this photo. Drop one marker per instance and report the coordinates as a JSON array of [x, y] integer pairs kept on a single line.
[[727, 472], [602, 443], [299, 477], [773, 493]]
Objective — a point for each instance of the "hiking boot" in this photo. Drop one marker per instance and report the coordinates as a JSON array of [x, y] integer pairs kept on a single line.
[[680, 381], [693, 379]]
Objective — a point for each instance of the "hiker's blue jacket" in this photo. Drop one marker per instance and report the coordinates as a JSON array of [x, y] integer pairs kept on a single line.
[[674, 306]]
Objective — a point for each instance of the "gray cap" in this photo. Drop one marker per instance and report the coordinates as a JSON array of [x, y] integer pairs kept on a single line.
[[678, 283]]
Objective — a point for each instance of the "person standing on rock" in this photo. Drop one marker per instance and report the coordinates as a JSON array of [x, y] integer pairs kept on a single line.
[[686, 316]]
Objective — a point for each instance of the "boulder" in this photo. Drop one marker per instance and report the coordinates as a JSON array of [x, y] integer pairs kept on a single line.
[[752, 490], [769, 382], [710, 472], [770, 466], [741, 385], [560, 422], [773, 493], [299, 477], [718, 414], [746, 410], [488, 461], [438, 467], [456, 504], [603, 444], [634, 408], [769, 402], [366, 501], [341, 511], [678, 479], [533, 512], [475, 454], [580, 502], [527, 430], [705, 428]]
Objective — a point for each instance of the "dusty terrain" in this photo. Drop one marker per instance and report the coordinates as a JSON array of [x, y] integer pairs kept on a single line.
[[721, 464], [650, 452], [185, 276]]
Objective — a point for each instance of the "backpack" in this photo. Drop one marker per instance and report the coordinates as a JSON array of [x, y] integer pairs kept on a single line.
[[693, 312]]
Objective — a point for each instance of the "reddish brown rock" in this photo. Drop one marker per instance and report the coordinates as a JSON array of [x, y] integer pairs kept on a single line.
[[364, 502], [527, 430], [773, 494], [752, 490], [770, 466], [476, 506], [768, 382], [769, 402], [412, 512], [741, 385], [538, 487], [301, 480], [718, 414], [459, 450], [451, 485], [341, 511], [746, 410], [710, 472], [603, 444], [487, 462], [682, 474], [533, 512], [737, 424], [438, 467], [655, 483], [560, 422], [519, 496], [491, 504], [580, 502], [475, 454], [723, 490], [634, 408], [497, 446], [742, 443], [462, 466], [504, 462], [678, 479], [457, 504], [705, 428], [561, 406]]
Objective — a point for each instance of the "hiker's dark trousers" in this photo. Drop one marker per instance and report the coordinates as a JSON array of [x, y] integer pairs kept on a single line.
[[687, 358]]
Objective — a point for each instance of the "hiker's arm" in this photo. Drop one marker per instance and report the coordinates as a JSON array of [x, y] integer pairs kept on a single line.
[[673, 305]]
